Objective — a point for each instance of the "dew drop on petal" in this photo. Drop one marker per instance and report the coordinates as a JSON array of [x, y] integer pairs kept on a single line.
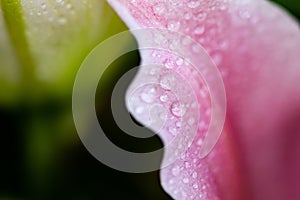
[[194, 175], [139, 110], [185, 180], [173, 130], [195, 185], [187, 16], [193, 4], [174, 25], [178, 109], [148, 97], [187, 164], [200, 142], [163, 98], [167, 81], [196, 48], [191, 121], [159, 8], [199, 30], [176, 170], [179, 61]]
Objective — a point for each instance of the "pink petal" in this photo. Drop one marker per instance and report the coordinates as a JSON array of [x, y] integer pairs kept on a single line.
[[254, 45]]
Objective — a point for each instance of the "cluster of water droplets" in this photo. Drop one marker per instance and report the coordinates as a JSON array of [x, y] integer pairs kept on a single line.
[[190, 180]]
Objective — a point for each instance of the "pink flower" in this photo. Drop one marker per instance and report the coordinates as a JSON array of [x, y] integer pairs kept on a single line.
[[256, 48]]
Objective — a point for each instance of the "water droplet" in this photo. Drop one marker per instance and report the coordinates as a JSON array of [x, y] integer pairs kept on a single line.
[[159, 9], [245, 14], [191, 121], [185, 180], [223, 7], [178, 124], [176, 171], [194, 105], [201, 16], [186, 41], [169, 63], [152, 72], [179, 61], [217, 58], [163, 98], [199, 30], [173, 130], [200, 142], [178, 109], [195, 185], [171, 181], [202, 125], [156, 54], [139, 110], [196, 48], [187, 16], [148, 98], [167, 81], [194, 175], [193, 4], [174, 25], [187, 165]]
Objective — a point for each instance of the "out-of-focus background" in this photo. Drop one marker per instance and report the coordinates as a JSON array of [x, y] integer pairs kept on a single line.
[[42, 45]]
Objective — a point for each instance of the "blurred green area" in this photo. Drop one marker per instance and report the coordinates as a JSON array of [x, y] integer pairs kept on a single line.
[[41, 49]]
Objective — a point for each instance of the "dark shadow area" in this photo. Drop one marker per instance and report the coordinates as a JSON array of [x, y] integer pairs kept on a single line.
[[45, 159]]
